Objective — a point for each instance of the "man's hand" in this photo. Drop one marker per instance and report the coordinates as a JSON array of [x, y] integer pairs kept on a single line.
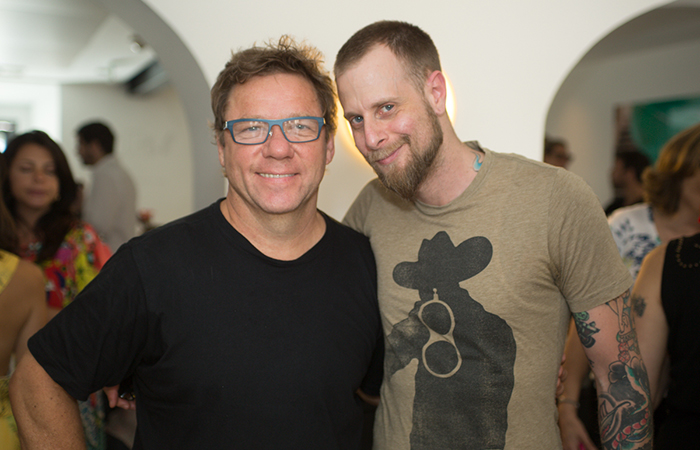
[[573, 433], [562, 377], [115, 401]]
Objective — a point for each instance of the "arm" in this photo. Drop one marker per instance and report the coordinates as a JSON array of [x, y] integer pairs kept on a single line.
[[34, 296], [573, 432], [652, 328], [609, 338], [46, 415]]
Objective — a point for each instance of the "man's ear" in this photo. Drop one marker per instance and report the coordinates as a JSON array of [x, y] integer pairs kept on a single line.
[[436, 92], [220, 148], [330, 149]]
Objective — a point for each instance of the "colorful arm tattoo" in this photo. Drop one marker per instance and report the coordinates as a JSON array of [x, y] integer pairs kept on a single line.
[[624, 409]]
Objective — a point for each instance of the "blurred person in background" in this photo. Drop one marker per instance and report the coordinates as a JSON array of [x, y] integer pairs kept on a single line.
[[22, 313], [39, 192], [672, 194], [556, 153], [110, 206], [626, 178]]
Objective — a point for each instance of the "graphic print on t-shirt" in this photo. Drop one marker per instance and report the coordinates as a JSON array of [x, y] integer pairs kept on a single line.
[[465, 354]]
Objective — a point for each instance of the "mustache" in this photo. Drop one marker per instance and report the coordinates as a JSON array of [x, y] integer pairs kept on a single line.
[[378, 155]]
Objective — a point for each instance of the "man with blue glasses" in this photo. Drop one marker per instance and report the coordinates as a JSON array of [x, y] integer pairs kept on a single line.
[[250, 324]]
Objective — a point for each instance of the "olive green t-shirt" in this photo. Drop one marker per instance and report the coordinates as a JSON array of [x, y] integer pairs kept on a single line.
[[475, 298]]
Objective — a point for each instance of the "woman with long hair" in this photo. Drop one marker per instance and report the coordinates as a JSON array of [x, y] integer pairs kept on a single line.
[[39, 192]]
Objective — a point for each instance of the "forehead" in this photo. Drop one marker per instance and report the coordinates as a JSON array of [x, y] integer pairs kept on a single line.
[[34, 152], [273, 96], [376, 75]]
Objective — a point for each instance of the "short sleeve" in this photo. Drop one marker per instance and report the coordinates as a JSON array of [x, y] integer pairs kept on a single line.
[[372, 382], [587, 266], [95, 341]]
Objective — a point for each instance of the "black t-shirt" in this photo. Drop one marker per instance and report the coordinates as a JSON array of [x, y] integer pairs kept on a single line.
[[228, 348]]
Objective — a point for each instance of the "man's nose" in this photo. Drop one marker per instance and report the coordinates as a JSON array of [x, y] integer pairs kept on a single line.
[[277, 146], [375, 134]]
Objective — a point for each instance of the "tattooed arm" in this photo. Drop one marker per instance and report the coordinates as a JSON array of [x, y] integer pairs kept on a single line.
[[573, 432], [609, 338], [649, 316]]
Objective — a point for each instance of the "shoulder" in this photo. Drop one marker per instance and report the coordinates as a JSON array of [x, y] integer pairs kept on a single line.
[[374, 200], [513, 161], [655, 258], [522, 173], [650, 272], [343, 231], [8, 266], [184, 231], [374, 190], [28, 282]]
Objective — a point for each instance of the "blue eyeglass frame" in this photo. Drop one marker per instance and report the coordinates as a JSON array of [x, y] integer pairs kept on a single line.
[[229, 126]]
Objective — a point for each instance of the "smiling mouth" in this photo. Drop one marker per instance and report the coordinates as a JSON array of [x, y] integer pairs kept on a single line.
[[275, 175], [388, 155], [384, 158]]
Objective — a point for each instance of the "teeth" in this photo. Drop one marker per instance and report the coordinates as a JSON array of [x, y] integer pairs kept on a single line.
[[274, 175]]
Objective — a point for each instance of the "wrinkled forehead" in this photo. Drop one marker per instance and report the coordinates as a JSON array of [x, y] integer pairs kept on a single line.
[[276, 93]]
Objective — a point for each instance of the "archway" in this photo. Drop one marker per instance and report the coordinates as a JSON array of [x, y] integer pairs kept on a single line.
[[190, 83], [651, 57]]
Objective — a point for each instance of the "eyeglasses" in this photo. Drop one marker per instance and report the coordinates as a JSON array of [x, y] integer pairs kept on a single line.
[[256, 131]]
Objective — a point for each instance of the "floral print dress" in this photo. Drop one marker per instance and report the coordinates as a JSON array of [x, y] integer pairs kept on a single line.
[[76, 262]]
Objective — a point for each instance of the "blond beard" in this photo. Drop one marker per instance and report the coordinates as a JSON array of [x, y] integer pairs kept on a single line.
[[405, 182]]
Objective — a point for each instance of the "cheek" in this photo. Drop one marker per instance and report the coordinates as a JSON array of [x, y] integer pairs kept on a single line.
[[359, 138], [55, 185], [16, 181], [406, 126]]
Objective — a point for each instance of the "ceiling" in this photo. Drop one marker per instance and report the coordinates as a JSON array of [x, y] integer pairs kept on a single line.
[[673, 24], [78, 41], [67, 41]]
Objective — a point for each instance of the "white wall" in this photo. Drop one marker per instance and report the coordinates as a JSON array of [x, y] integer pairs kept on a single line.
[[506, 59], [32, 106], [583, 110], [152, 141]]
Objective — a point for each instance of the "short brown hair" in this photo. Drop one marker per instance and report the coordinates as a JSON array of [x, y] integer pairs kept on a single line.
[[678, 160], [411, 45], [285, 56]]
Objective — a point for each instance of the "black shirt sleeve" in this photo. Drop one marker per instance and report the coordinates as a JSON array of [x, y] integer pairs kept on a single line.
[[96, 341]]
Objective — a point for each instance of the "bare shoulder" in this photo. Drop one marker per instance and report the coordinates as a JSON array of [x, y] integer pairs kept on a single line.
[[655, 258], [28, 281], [651, 269]]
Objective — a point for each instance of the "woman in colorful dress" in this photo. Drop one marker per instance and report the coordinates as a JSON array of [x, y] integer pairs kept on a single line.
[[22, 313], [39, 192]]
